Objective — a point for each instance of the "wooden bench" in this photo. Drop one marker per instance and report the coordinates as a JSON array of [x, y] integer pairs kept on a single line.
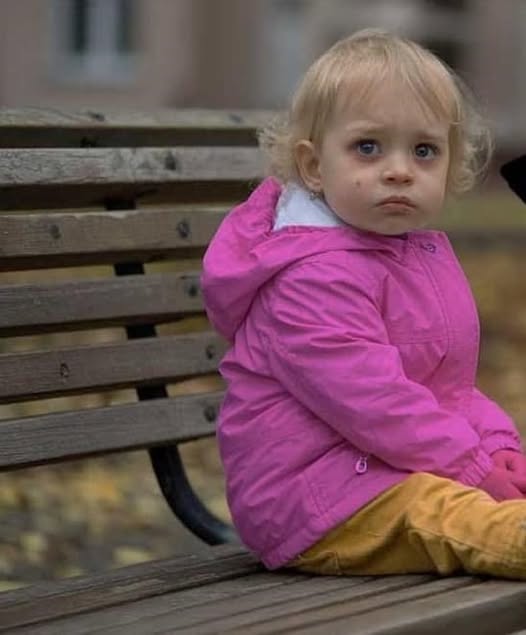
[[123, 193]]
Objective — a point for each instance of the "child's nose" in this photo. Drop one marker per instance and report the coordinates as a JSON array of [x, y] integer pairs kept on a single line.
[[397, 169]]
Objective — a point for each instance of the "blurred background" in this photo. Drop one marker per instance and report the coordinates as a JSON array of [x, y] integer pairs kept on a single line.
[[140, 55]]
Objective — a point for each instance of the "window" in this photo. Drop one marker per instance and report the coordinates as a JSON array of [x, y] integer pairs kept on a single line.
[[94, 40]]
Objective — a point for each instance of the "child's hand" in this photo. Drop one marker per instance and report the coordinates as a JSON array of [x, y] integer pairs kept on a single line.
[[515, 463], [511, 460], [499, 485]]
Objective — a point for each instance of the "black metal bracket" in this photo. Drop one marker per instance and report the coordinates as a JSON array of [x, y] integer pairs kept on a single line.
[[166, 460]]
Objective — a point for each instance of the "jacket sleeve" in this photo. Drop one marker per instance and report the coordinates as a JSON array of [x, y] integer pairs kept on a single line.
[[496, 429], [327, 344]]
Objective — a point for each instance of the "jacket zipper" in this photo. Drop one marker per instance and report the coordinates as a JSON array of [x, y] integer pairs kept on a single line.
[[360, 466]]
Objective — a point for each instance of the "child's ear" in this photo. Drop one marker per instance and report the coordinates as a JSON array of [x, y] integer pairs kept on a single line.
[[308, 164], [514, 173]]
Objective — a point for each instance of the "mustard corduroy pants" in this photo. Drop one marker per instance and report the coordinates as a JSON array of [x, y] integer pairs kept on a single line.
[[426, 524]]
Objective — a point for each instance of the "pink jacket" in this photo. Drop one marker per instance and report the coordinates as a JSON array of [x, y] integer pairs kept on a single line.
[[352, 365]]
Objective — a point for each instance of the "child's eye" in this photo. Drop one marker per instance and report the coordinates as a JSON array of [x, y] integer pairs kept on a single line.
[[426, 151], [367, 147]]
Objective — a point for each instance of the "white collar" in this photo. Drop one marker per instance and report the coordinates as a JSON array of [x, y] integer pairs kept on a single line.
[[296, 207]]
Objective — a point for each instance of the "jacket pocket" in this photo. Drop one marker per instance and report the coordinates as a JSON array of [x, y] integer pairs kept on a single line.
[[338, 472]]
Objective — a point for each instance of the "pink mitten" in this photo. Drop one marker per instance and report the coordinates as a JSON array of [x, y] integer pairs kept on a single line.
[[515, 463], [498, 484]]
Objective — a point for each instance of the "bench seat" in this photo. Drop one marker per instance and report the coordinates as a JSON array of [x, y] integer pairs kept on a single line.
[[224, 590]]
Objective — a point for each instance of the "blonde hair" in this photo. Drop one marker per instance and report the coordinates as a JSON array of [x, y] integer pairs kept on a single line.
[[360, 63]]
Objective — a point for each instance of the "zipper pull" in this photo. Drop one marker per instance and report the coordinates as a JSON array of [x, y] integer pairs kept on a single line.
[[361, 465]]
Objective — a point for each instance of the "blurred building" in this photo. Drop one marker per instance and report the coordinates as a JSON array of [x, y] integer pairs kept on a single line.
[[131, 54], [140, 54]]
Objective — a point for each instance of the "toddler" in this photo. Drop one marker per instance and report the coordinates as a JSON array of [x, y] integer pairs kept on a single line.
[[353, 438]]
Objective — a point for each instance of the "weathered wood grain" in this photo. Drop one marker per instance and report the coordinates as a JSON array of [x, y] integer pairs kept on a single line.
[[176, 610], [275, 617], [47, 601], [71, 166], [152, 299], [494, 607], [195, 118], [367, 599], [39, 240], [46, 127], [151, 360], [78, 433]]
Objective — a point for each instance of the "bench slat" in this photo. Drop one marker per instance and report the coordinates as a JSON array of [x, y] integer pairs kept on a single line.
[[93, 431], [47, 601], [99, 367], [71, 238], [60, 306], [493, 607], [27, 127], [42, 235], [71, 166], [310, 591], [385, 591], [173, 611], [275, 617]]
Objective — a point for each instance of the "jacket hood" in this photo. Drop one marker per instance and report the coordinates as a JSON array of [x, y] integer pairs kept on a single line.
[[246, 253]]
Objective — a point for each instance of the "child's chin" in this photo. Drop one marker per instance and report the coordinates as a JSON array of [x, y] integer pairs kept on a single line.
[[396, 229]]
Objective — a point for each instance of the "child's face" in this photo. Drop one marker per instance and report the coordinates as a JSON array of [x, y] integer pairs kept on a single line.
[[382, 165]]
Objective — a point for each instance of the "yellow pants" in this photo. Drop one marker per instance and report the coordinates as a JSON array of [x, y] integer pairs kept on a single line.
[[425, 524]]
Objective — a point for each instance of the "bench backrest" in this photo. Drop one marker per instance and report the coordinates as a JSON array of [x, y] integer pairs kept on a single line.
[[103, 221]]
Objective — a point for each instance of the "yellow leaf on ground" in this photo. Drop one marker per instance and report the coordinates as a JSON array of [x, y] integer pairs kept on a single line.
[[130, 555]]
